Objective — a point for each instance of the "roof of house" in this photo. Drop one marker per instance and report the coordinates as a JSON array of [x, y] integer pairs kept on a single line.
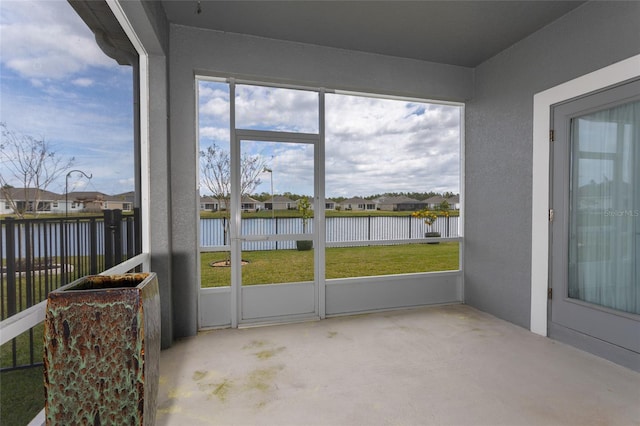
[[279, 199], [19, 194], [209, 198], [87, 195], [125, 196], [399, 199], [436, 199], [355, 200]]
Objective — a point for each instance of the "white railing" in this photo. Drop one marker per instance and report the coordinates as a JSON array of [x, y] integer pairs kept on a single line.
[[30, 317], [340, 231]]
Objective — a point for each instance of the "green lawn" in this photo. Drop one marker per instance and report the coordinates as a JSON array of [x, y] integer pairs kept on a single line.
[[21, 396], [282, 266], [21, 391]]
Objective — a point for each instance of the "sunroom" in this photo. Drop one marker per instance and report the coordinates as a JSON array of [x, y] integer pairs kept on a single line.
[[547, 99]]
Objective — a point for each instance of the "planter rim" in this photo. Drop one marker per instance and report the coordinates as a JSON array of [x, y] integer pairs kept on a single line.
[[139, 278]]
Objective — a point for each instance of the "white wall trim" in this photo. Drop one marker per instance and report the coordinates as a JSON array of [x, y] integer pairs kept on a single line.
[[542, 102], [145, 178]]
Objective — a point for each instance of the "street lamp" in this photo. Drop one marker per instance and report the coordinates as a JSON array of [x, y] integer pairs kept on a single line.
[[66, 189], [268, 170]]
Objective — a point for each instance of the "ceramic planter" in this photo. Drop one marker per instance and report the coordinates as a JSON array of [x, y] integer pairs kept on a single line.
[[102, 351]]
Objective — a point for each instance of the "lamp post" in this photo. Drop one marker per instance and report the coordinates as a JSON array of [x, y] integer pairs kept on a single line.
[[66, 189], [267, 170]]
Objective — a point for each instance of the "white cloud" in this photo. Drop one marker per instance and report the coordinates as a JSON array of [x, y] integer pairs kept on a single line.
[[100, 139], [77, 184], [376, 146], [216, 134], [123, 185], [64, 89], [277, 109], [83, 82], [372, 145], [47, 39]]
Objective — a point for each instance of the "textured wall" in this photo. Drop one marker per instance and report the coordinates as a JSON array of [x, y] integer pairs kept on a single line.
[[499, 145]]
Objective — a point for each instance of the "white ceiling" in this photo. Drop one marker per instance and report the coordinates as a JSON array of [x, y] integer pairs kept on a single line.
[[462, 33]]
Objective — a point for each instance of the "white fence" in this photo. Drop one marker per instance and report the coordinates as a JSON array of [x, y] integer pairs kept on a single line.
[[338, 229]]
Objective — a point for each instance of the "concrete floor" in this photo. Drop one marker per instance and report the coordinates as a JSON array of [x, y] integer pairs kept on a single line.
[[446, 365]]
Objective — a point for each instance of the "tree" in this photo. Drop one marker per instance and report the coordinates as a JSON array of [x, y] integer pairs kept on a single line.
[[306, 212], [215, 173], [31, 163]]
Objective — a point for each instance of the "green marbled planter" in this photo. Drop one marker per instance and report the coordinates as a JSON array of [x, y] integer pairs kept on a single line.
[[102, 351]]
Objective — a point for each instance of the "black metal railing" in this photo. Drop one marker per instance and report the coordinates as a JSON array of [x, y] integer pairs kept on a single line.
[[40, 255]]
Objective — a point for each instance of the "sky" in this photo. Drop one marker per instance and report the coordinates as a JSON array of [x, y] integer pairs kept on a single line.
[[57, 85], [373, 145]]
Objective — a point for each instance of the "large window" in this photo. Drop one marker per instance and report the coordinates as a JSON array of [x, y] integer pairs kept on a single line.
[[400, 161], [392, 178]]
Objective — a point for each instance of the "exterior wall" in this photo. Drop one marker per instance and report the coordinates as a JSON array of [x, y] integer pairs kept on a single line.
[[150, 25], [4, 208], [499, 132], [195, 51]]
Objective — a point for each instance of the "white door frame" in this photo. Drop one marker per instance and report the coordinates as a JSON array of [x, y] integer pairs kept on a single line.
[[237, 311], [542, 102], [319, 194]]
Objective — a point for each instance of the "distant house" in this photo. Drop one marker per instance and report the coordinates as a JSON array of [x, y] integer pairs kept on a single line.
[[280, 202], [250, 204], [358, 204], [400, 204], [454, 202], [210, 204], [73, 202], [128, 200], [329, 204], [94, 201], [434, 203], [23, 199]]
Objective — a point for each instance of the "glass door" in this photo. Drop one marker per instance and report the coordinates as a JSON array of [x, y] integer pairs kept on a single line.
[[596, 228], [275, 236]]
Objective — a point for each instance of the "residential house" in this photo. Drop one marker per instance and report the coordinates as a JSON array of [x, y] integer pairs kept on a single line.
[[358, 204], [86, 201], [280, 202], [127, 199], [400, 204], [29, 200], [250, 204], [73, 202], [329, 204], [454, 202], [436, 201], [210, 204], [433, 203]]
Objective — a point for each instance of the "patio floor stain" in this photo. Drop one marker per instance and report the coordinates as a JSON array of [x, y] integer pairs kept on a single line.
[[269, 353]]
